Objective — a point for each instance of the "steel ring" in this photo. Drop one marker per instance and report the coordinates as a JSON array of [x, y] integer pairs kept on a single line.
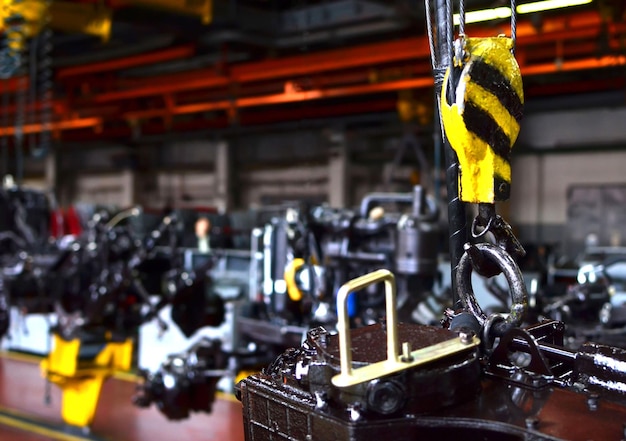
[[511, 271]]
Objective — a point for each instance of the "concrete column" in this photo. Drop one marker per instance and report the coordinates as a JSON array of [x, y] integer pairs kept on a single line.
[[127, 197], [339, 175], [50, 171], [222, 176]]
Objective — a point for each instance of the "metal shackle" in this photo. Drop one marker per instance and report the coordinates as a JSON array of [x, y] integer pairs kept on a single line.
[[505, 262]]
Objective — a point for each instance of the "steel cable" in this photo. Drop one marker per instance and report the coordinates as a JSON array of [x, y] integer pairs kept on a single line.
[[513, 23]]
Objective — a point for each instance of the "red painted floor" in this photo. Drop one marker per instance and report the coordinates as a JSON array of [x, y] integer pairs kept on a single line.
[[22, 391]]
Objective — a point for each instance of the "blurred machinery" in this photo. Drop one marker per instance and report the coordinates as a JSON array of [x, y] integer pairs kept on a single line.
[[94, 283], [298, 263], [186, 382], [311, 252], [491, 376], [480, 376], [485, 377]]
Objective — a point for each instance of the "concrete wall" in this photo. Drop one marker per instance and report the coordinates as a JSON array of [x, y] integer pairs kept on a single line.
[[116, 189], [285, 183], [540, 183]]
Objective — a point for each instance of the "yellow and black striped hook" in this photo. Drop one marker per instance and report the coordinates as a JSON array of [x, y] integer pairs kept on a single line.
[[481, 109]]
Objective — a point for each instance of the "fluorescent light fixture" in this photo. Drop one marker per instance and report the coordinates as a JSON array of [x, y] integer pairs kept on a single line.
[[544, 5], [484, 15], [527, 8]]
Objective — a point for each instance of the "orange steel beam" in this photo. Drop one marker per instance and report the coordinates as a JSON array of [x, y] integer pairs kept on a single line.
[[391, 86], [200, 83], [573, 65], [316, 94], [127, 62], [76, 123], [372, 54], [582, 26], [284, 98]]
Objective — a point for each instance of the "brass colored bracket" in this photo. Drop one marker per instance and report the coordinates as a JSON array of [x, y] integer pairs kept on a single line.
[[395, 361]]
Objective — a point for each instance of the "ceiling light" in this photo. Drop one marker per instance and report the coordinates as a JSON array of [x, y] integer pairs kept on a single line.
[[527, 8], [549, 4], [484, 15]]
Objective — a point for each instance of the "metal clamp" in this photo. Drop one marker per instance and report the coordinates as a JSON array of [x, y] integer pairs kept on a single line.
[[511, 271], [395, 361]]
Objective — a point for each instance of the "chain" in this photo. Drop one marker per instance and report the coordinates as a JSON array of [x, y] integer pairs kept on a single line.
[[5, 124], [11, 52], [19, 130], [32, 90], [45, 83], [46, 90]]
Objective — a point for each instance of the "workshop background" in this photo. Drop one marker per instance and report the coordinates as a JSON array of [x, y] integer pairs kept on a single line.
[[242, 111]]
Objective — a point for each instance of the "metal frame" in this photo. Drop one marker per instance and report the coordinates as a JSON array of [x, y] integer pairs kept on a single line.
[[395, 361]]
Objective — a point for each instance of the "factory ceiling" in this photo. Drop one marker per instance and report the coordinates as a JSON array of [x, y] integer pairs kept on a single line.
[[132, 68]]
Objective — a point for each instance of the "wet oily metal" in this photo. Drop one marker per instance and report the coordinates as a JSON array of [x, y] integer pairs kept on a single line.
[[303, 377], [294, 399], [481, 110]]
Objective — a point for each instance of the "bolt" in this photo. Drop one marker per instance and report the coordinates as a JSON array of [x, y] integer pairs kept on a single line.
[[355, 411], [467, 337], [406, 353], [592, 402], [532, 422]]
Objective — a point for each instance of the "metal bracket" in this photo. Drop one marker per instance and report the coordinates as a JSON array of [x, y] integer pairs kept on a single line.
[[395, 361]]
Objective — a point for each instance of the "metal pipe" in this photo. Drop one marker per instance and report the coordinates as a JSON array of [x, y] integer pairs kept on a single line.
[[457, 223], [371, 198], [552, 352]]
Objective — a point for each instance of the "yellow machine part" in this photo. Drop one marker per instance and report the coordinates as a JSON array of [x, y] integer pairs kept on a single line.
[[81, 18], [481, 110], [81, 381], [68, 17], [290, 279], [202, 9], [32, 12], [86, 18]]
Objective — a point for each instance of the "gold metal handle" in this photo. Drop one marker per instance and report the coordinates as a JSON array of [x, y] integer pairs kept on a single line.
[[394, 362], [343, 324]]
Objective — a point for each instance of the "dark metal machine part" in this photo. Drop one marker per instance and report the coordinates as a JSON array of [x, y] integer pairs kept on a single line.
[[292, 399], [186, 382], [294, 396]]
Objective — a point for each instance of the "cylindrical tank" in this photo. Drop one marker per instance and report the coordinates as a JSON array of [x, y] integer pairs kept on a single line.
[[417, 238]]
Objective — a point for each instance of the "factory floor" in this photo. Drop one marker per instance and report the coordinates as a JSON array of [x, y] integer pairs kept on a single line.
[[25, 417]]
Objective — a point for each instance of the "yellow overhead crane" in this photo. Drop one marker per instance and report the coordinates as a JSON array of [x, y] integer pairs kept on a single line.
[[31, 16], [24, 19], [88, 18]]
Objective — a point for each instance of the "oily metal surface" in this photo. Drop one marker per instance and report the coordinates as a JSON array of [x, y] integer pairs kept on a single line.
[[369, 344], [502, 412], [554, 412]]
